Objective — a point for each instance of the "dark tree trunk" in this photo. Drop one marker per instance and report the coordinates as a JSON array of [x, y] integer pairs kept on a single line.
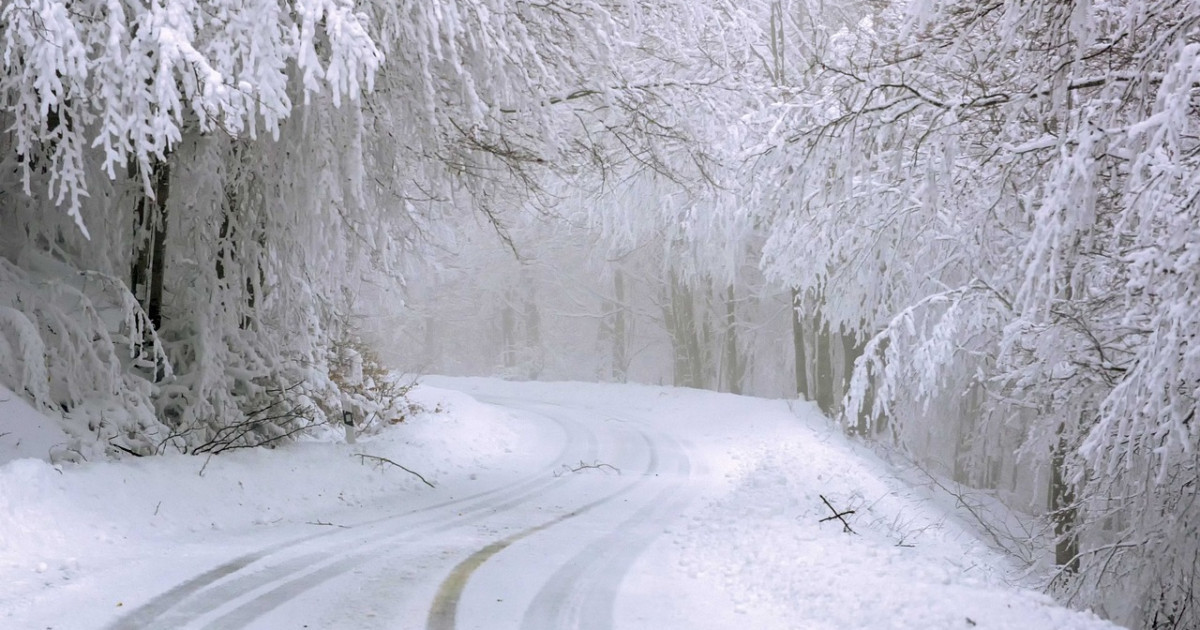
[[679, 365], [150, 245], [1062, 510], [225, 249], [233, 260], [680, 315], [158, 255], [825, 386], [798, 336]]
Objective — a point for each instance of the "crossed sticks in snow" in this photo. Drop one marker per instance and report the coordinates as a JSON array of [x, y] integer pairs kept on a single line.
[[838, 515]]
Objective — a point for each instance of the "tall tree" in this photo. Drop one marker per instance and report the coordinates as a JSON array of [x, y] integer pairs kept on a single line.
[[986, 192]]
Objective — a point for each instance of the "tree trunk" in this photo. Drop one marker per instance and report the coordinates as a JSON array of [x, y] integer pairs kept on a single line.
[[680, 315], [508, 333], [620, 360], [700, 340], [798, 346], [231, 260], [679, 369], [1062, 509], [824, 372], [851, 351], [733, 364], [150, 245], [158, 253]]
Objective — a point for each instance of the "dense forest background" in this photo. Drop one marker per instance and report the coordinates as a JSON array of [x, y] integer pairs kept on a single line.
[[967, 230]]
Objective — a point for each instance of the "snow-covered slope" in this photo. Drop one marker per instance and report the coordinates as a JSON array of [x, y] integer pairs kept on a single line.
[[737, 541], [24, 432]]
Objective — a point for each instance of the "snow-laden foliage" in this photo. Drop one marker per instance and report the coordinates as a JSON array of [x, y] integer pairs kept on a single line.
[[141, 121], [252, 164], [72, 341], [126, 78], [243, 168], [995, 206], [1003, 198]]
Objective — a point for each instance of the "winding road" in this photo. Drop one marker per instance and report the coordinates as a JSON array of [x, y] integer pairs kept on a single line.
[[546, 550], [555, 506]]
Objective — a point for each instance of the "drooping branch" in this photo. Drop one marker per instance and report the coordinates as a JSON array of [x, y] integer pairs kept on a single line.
[[363, 457]]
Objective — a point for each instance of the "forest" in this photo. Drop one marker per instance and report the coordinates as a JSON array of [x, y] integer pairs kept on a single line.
[[969, 231]]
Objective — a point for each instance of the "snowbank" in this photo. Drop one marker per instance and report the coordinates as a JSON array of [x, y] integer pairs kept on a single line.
[[24, 432], [74, 524]]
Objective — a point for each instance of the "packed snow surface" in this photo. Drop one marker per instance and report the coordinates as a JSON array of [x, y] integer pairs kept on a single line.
[[554, 506]]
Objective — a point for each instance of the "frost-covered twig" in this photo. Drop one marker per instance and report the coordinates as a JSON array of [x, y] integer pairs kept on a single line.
[[233, 436], [363, 457]]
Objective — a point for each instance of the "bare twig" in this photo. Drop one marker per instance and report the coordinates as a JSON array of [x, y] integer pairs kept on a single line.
[[326, 524], [988, 525], [205, 466], [126, 449], [838, 515], [566, 468], [363, 457]]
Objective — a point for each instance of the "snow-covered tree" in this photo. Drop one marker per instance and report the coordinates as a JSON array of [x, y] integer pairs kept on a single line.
[[129, 130], [1001, 197], [238, 170]]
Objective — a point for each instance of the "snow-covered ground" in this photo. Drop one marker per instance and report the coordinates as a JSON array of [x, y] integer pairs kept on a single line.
[[555, 506]]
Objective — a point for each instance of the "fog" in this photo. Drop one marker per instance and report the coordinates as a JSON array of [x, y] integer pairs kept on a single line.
[[553, 303]]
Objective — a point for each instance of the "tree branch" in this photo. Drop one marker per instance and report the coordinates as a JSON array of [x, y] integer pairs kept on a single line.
[[363, 457]]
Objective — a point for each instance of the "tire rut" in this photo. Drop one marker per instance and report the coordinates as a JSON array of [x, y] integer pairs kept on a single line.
[[582, 593], [212, 590], [443, 614]]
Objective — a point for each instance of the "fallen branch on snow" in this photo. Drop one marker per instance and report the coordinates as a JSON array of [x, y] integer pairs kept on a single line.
[[363, 457], [110, 443], [566, 468], [326, 524], [838, 515]]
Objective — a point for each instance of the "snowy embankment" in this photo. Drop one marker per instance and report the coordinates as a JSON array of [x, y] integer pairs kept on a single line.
[[77, 541], [740, 543]]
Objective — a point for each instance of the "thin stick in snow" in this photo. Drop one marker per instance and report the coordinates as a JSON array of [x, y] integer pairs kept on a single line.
[[326, 524], [363, 457], [838, 515], [566, 468]]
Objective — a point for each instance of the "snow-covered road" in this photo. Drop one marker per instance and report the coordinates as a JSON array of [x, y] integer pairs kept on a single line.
[[556, 506], [545, 549]]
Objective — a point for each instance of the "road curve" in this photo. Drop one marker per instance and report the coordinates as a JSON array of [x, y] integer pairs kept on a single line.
[[547, 550], [572, 567]]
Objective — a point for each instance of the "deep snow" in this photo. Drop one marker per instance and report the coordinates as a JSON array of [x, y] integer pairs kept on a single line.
[[713, 522]]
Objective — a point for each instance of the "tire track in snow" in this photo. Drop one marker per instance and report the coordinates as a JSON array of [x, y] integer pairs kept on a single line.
[[583, 592], [212, 590], [284, 591], [443, 614]]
